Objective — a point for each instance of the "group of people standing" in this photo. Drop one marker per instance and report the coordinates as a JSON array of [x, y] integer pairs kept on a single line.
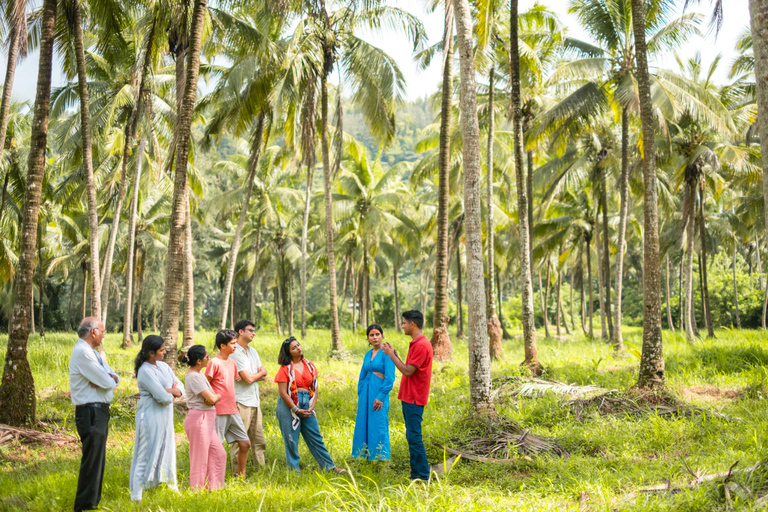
[[222, 395]]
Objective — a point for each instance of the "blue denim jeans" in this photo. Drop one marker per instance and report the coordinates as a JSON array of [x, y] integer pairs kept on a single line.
[[310, 431], [413, 414]]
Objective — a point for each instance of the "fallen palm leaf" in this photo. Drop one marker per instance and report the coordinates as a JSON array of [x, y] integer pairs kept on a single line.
[[29, 436], [614, 403], [531, 388]]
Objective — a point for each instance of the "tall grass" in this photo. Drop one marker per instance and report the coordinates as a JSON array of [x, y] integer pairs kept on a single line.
[[611, 457]]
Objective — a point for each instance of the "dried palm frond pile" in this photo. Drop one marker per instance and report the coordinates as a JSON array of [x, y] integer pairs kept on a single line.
[[615, 403], [503, 440], [29, 436], [532, 388]]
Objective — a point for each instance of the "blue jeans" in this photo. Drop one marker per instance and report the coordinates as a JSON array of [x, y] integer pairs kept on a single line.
[[310, 431], [413, 414]]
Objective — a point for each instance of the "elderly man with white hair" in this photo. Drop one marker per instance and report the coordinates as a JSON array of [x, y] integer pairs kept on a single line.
[[91, 382]]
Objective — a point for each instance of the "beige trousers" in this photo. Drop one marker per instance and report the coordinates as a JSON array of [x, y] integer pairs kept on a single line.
[[251, 417]]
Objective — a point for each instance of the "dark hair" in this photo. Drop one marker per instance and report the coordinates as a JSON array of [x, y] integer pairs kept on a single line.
[[242, 324], [224, 336], [284, 356], [414, 316], [151, 343], [372, 327], [194, 354]]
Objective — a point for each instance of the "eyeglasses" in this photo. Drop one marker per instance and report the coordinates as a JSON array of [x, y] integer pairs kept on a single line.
[[250, 330], [289, 340]]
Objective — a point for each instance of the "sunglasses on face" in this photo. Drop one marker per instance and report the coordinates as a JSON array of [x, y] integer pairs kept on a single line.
[[289, 340]]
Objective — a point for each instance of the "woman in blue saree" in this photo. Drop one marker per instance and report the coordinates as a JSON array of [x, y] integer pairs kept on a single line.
[[371, 439]]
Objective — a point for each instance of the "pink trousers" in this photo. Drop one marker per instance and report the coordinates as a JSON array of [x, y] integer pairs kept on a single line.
[[207, 457]]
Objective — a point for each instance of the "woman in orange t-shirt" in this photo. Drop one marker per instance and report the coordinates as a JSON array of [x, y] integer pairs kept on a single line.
[[297, 382]]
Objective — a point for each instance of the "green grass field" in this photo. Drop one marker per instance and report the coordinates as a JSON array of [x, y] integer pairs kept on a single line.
[[611, 457]]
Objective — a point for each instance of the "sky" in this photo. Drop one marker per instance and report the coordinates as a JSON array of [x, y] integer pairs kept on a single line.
[[422, 83]]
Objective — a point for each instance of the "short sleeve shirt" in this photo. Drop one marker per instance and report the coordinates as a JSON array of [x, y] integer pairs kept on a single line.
[[303, 380], [222, 374], [247, 359], [195, 384], [415, 389]]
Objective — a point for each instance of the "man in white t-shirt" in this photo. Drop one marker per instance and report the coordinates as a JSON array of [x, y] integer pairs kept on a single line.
[[247, 391]]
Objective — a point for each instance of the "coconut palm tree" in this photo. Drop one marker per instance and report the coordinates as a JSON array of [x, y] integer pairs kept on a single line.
[[479, 356], [652, 357], [174, 272], [17, 390], [16, 21]]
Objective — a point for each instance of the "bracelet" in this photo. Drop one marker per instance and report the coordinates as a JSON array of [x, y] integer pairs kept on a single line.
[[295, 408]]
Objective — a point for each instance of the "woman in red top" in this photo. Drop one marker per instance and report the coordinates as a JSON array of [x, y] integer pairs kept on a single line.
[[297, 382]]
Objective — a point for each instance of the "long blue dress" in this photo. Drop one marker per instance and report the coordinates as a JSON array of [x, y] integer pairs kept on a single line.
[[371, 440]]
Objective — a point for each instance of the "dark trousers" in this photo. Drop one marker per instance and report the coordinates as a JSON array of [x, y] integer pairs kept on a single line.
[[92, 422], [413, 415]]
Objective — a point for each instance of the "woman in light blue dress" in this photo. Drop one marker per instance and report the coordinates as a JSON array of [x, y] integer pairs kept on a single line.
[[371, 440], [154, 450]]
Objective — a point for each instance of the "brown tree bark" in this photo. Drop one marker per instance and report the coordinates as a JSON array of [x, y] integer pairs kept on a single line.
[[531, 353], [652, 358], [606, 263], [441, 341], [735, 291], [688, 201], [459, 297], [600, 288], [140, 290], [90, 184], [175, 269], [334, 311], [17, 389], [669, 297], [591, 303], [703, 260], [17, 43], [758, 10], [494, 326], [479, 357]]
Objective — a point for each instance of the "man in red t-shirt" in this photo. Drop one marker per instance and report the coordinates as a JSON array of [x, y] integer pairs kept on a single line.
[[414, 388], [222, 374]]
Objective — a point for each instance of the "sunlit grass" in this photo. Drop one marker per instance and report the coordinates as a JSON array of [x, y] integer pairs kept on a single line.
[[611, 457]]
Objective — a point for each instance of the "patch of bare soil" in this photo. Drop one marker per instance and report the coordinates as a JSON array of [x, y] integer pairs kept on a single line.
[[710, 394]]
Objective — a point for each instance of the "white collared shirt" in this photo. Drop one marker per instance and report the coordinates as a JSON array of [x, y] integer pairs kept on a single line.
[[248, 360], [86, 367]]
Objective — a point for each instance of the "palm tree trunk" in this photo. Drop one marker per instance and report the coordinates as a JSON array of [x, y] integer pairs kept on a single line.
[[591, 302], [765, 304], [370, 297], [529, 330], [174, 271], [41, 287], [425, 295], [140, 291], [529, 197], [188, 320], [397, 300], [703, 261], [335, 335], [680, 295], [570, 302], [441, 341], [669, 297], [355, 279], [17, 388], [688, 228], [85, 130], [735, 291], [127, 318], [559, 308], [758, 10], [303, 274], [257, 249], [606, 263], [479, 356], [345, 273], [493, 327], [16, 41], [600, 289], [459, 297], [130, 133], [544, 298], [652, 358], [277, 310], [85, 288], [504, 334], [364, 289], [256, 143]]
